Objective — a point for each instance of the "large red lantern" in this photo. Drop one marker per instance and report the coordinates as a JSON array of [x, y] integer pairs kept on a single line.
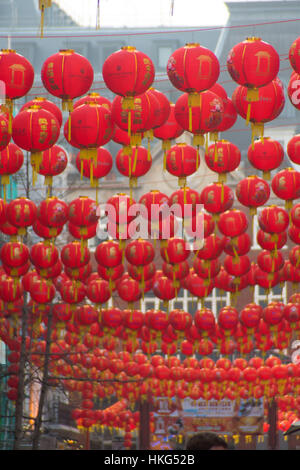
[[74, 256], [133, 164], [293, 149], [286, 185], [269, 261], [21, 213], [17, 74], [268, 107], [108, 254], [54, 161], [53, 212], [83, 211], [72, 292], [202, 117], [44, 255], [42, 291], [265, 155], [128, 72], [232, 223], [193, 68], [67, 75], [139, 252], [252, 192], [223, 157], [268, 242], [45, 104], [253, 63], [89, 126], [14, 254], [175, 251], [217, 198], [35, 130], [273, 219]]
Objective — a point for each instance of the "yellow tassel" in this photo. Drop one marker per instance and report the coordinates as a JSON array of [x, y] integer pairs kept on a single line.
[[69, 127], [135, 160]]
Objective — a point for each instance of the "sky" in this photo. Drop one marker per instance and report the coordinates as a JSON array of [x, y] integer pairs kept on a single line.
[[147, 13]]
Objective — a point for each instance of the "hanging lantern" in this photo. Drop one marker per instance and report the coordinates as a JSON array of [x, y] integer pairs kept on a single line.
[[253, 63], [217, 198], [17, 74], [223, 157], [286, 185], [202, 117], [270, 261], [154, 201], [67, 75], [93, 97], [266, 108], [294, 55], [72, 292], [268, 242], [293, 149], [163, 289], [133, 164], [128, 290], [252, 192], [42, 292], [212, 248], [5, 132], [238, 246], [266, 155], [88, 127], [52, 213], [45, 104], [74, 256], [21, 213], [182, 161], [232, 223], [53, 162], [228, 319], [94, 170], [139, 252], [207, 269], [35, 130], [249, 317], [83, 211], [11, 161], [128, 72], [43, 255], [14, 254], [204, 320], [273, 219], [138, 119]]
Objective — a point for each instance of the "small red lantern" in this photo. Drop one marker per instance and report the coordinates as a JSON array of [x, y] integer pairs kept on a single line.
[[293, 149], [204, 320], [72, 292], [52, 212], [163, 289], [217, 198], [268, 242], [108, 254], [21, 213], [17, 74], [44, 255], [128, 290], [223, 157], [133, 164], [14, 254], [228, 319], [42, 291], [128, 72], [67, 75], [294, 55], [269, 261], [253, 63], [139, 252], [54, 162], [74, 256], [212, 248], [94, 170], [238, 246], [273, 219], [93, 97], [252, 192], [45, 104], [232, 223], [266, 155], [154, 201], [83, 211], [286, 186], [89, 126]]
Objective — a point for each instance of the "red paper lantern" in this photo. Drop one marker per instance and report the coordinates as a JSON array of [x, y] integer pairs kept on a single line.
[[133, 164], [21, 213], [232, 223], [154, 201], [266, 155], [128, 289], [223, 157], [67, 75], [238, 246], [94, 98], [163, 289], [269, 261], [268, 242], [217, 198], [74, 256], [89, 126], [72, 292], [267, 107], [5, 131], [294, 55], [17, 73], [52, 212], [54, 162], [83, 211], [94, 170], [128, 72], [42, 292], [252, 192], [237, 267], [204, 320], [293, 149], [108, 254], [45, 104], [286, 185], [253, 63], [139, 252], [203, 115], [35, 130], [250, 315], [228, 319], [193, 68], [273, 219], [212, 248], [44, 255]]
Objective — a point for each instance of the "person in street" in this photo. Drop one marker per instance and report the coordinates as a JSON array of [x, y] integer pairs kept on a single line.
[[206, 441]]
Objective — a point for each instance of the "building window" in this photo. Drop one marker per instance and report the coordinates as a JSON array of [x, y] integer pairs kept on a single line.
[[164, 52], [276, 294]]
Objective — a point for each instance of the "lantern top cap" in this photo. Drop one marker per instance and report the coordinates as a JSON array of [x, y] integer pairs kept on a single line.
[[8, 51], [128, 48], [253, 39], [192, 44], [39, 98], [66, 51]]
